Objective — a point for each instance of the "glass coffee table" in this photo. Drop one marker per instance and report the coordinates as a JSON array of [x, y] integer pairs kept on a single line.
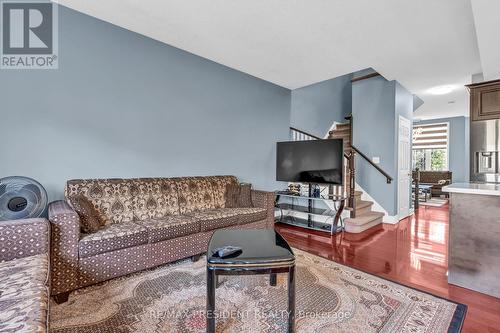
[[264, 251]]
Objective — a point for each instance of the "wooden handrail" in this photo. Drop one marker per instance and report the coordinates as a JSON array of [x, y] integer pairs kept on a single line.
[[386, 175]]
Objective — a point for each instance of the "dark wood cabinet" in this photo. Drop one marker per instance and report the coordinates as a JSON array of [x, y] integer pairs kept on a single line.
[[484, 100]]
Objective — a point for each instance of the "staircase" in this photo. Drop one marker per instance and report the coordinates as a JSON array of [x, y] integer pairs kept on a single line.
[[362, 215]]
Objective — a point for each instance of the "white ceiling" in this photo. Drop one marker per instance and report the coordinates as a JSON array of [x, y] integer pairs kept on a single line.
[[294, 43], [487, 24]]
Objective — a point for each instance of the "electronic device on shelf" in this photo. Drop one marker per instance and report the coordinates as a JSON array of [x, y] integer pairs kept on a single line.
[[287, 192]]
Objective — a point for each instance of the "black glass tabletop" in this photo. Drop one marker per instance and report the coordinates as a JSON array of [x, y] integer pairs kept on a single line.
[[262, 246]]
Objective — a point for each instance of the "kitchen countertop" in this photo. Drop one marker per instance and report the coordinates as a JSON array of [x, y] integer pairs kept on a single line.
[[473, 188]]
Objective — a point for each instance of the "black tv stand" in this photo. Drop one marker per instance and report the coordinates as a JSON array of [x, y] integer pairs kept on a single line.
[[290, 213]]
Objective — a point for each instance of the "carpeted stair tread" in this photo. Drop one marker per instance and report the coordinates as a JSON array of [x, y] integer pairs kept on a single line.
[[360, 204], [342, 126], [355, 229], [367, 218], [341, 131]]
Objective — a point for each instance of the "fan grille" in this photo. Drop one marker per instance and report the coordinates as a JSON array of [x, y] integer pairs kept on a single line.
[[21, 197]]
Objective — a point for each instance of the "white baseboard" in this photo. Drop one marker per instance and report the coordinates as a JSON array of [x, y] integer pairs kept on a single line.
[[391, 219]]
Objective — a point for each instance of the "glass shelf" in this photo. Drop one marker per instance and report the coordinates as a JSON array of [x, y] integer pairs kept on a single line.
[[304, 223], [330, 197], [303, 209]]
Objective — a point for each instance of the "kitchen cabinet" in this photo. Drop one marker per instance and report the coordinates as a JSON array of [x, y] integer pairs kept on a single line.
[[484, 100]]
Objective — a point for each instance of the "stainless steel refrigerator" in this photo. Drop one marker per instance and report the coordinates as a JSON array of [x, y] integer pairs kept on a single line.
[[484, 151]]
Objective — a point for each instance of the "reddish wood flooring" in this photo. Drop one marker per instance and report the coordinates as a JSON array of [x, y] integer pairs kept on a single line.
[[413, 252]]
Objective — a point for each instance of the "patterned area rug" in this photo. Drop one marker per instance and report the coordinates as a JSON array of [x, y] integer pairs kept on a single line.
[[330, 298]]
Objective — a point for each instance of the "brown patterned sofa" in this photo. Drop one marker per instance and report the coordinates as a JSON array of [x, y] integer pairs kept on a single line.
[[148, 222], [437, 179], [24, 275]]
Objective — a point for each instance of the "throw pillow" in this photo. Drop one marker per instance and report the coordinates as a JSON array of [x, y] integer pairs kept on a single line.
[[245, 198], [232, 194], [239, 196], [90, 221]]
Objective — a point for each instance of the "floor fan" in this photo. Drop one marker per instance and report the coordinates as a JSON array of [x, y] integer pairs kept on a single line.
[[21, 198]]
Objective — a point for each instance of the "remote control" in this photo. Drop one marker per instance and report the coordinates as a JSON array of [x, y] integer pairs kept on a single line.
[[226, 251]]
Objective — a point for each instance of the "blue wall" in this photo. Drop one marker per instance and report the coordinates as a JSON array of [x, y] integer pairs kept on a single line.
[[458, 145], [123, 105], [373, 110], [376, 107], [316, 107]]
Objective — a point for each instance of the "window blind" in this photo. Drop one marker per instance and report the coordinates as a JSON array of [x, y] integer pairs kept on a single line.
[[432, 136]]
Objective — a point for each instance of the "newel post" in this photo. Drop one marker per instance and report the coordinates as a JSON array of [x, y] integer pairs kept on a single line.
[[352, 182]]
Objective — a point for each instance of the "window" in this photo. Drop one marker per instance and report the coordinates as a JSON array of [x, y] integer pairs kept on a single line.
[[430, 147]]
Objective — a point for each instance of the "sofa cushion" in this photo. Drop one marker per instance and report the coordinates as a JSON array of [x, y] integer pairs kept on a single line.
[[89, 217], [170, 227], [195, 194], [239, 196], [154, 198], [111, 197], [219, 188], [112, 237], [24, 296], [216, 218], [250, 214]]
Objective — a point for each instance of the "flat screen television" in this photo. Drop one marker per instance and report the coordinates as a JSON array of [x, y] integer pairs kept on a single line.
[[314, 161]]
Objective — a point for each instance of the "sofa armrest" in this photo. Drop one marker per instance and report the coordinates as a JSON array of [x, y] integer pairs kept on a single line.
[[263, 199], [23, 238], [65, 235]]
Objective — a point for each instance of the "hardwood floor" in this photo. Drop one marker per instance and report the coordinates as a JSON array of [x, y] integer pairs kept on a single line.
[[413, 252]]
